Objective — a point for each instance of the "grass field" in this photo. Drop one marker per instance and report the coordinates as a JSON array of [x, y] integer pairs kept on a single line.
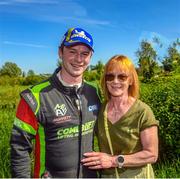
[[9, 96]]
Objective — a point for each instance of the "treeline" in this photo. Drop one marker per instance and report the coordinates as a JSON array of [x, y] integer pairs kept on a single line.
[[24, 81], [150, 64]]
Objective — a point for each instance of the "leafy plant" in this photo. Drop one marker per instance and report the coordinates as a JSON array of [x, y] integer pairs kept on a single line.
[[163, 95]]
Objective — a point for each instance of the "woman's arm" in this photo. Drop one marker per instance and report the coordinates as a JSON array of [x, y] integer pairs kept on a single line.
[[149, 153]]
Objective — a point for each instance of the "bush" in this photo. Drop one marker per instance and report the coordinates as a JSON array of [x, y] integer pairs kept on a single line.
[[7, 80], [163, 97], [29, 80], [34, 79]]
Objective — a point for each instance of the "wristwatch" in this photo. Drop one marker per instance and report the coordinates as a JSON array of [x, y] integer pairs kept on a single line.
[[120, 161]]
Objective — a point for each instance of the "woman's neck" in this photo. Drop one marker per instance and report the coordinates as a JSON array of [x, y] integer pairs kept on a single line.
[[119, 102], [117, 107]]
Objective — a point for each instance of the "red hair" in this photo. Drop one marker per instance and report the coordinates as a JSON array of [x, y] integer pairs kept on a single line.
[[124, 64]]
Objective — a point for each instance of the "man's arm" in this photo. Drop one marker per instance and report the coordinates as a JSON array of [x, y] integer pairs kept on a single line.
[[24, 130]]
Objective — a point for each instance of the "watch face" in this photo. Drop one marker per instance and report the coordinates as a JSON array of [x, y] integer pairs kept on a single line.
[[120, 159]]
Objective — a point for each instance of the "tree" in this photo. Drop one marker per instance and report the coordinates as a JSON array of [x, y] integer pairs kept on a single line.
[[99, 67], [23, 74], [172, 60], [147, 60], [10, 69], [94, 72], [30, 73]]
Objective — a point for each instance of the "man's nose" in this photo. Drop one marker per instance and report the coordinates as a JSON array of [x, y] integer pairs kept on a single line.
[[79, 57]]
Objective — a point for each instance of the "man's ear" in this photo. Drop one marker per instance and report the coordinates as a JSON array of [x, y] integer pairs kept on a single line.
[[60, 53]]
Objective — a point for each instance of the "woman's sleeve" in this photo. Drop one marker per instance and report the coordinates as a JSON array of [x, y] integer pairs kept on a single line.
[[148, 118]]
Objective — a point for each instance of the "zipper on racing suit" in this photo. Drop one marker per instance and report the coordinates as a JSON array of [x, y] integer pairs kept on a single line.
[[79, 106]]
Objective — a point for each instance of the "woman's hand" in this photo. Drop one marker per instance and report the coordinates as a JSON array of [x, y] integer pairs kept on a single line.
[[98, 160]]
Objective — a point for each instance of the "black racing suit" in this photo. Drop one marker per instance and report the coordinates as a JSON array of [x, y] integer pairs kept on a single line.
[[60, 120]]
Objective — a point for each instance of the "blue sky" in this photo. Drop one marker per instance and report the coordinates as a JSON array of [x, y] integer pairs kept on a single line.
[[30, 30]]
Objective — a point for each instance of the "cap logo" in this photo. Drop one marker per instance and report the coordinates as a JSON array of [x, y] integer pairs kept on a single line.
[[80, 34]]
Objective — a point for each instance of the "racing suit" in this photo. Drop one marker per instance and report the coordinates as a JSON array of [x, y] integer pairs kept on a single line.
[[56, 122]]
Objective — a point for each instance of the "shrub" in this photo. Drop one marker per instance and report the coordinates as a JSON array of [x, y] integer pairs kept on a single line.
[[163, 97], [34, 79]]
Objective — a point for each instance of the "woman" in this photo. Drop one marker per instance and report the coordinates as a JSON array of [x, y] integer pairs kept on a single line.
[[127, 129]]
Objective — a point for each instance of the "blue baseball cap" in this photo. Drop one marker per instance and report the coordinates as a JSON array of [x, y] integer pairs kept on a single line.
[[77, 35]]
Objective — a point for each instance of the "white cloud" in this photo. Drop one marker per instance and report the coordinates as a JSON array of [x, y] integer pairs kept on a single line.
[[68, 19], [24, 44], [62, 11]]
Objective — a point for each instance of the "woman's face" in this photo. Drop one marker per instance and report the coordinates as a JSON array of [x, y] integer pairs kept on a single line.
[[117, 82]]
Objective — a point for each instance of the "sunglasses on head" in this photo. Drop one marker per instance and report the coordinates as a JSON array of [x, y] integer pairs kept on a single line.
[[111, 77]]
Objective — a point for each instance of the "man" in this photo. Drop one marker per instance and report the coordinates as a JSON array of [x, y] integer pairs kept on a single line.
[[58, 115]]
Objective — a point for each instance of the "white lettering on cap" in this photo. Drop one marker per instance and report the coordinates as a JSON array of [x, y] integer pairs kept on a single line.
[[81, 34]]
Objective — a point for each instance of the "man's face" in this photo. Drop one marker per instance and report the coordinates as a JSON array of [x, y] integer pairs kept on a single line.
[[75, 59]]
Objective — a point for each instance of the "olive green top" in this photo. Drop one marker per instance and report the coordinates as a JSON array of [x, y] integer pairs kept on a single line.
[[125, 133]]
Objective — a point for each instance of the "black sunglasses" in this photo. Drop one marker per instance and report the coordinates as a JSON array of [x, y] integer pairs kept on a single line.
[[111, 77]]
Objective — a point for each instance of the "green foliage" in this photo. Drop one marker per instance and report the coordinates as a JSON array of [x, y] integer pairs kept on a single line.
[[10, 69], [90, 75], [167, 169], [6, 121], [163, 95], [172, 60], [9, 96], [30, 73], [147, 60], [34, 79], [29, 80], [95, 72], [7, 80]]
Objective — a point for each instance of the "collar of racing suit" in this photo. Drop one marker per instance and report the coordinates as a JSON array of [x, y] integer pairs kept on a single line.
[[68, 90]]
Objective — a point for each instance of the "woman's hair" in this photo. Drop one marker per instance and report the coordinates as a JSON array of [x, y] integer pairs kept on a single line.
[[123, 64]]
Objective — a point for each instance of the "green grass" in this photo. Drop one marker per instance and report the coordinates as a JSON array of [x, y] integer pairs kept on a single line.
[[9, 97], [6, 121], [167, 169]]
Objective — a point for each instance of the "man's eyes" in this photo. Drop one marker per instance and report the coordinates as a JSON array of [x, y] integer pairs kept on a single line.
[[83, 54], [71, 51]]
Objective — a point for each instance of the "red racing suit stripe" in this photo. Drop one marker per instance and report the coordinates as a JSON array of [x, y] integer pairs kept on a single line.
[[25, 114]]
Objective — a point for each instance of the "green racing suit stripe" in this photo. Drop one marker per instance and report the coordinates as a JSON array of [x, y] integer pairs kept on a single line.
[[24, 126], [41, 143], [42, 149], [36, 90]]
